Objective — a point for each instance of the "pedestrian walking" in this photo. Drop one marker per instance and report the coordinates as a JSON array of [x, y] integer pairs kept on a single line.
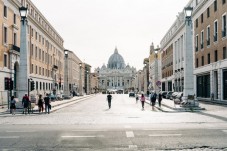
[[212, 96], [25, 103], [12, 105], [142, 99], [150, 98], [47, 104], [40, 103], [109, 98], [137, 98], [159, 99], [153, 100]]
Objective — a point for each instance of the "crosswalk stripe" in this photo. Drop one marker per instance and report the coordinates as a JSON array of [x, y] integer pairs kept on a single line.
[[2, 137], [129, 134], [161, 135], [78, 136], [224, 131]]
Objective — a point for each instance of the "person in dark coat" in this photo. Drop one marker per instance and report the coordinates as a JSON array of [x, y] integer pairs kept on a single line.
[[153, 99], [109, 98], [25, 103], [159, 99], [40, 103], [47, 104]]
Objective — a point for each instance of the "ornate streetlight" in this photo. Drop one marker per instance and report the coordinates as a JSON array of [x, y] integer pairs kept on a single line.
[[23, 84], [66, 79], [80, 83], [188, 92]]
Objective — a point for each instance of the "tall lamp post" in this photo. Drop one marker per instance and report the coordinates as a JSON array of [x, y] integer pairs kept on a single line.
[[156, 70], [80, 83], [66, 79], [188, 92], [24, 64], [87, 82]]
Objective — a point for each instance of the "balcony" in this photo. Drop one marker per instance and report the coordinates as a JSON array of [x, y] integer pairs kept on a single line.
[[55, 67], [196, 49], [215, 38], [208, 42], [14, 47], [201, 45], [223, 33]]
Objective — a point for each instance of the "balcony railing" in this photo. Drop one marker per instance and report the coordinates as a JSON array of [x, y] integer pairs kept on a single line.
[[196, 49], [202, 46], [14, 47], [224, 33], [215, 38], [208, 42]]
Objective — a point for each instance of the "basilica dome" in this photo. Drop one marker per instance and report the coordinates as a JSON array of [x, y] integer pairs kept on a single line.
[[116, 61]]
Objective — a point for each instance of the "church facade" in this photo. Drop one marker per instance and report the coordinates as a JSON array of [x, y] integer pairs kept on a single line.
[[116, 76]]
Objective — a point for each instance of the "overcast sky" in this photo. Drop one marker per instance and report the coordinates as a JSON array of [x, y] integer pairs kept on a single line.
[[92, 28]]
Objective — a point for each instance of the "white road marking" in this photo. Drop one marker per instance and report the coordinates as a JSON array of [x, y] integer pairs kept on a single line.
[[161, 135], [129, 134], [225, 131], [132, 146], [89, 130], [1, 137], [20, 131], [128, 126], [160, 129], [81, 136]]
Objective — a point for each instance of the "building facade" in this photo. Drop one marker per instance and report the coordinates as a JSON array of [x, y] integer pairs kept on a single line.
[[73, 72], [116, 76], [210, 42], [45, 48], [172, 50], [154, 69]]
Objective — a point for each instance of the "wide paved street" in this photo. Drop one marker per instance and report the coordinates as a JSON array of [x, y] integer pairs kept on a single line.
[[90, 125]]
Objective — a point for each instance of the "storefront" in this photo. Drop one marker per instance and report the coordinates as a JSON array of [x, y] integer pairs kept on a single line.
[[225, 84], [203, 86]]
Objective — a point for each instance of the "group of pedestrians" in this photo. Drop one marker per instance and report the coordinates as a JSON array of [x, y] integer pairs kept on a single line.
[[26, 104], [152, 98]]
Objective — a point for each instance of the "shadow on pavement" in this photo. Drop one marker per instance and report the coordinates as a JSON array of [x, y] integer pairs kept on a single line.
[[214, 116]]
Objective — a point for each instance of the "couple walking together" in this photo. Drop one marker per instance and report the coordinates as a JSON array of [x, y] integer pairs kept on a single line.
[[152, 98], [47, 104]]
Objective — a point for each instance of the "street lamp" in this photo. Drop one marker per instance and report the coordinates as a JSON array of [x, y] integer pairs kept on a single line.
[[87, 82], [66, 80], [156, 69], [24, 64], [80, 83], [188, 92]]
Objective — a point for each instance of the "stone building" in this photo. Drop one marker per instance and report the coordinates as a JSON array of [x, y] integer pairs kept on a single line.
[[116, 76], [154, 69], [45, 48], [210, 54]]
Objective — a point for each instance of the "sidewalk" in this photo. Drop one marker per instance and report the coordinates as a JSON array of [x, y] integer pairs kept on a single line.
[[168, 106], [55, 105]]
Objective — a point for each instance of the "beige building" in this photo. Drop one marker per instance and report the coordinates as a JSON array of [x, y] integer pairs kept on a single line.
[[210, 54], [94, 83], [73, 71], [45, 46]]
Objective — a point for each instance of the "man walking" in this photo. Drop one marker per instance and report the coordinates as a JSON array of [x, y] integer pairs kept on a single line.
[[109, 98], [25, 103], [47, 103]]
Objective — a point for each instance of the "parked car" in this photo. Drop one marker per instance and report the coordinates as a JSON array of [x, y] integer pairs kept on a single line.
[[169, 94], [59, 97], [131, 94], [52, 97], [164, 93], [174, 94]]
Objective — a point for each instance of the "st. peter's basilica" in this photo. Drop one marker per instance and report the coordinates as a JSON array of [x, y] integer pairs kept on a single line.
[[116, 76]]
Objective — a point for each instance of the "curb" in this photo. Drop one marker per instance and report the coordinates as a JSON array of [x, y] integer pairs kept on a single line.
[[54, 107]]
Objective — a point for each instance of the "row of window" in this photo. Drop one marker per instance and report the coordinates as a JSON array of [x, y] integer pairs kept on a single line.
[[38, 18], [208, 12], [47, 86], [201, 61], [208, 34]]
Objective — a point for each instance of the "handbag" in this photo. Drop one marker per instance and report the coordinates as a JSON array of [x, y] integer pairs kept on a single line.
[[49, 106]]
